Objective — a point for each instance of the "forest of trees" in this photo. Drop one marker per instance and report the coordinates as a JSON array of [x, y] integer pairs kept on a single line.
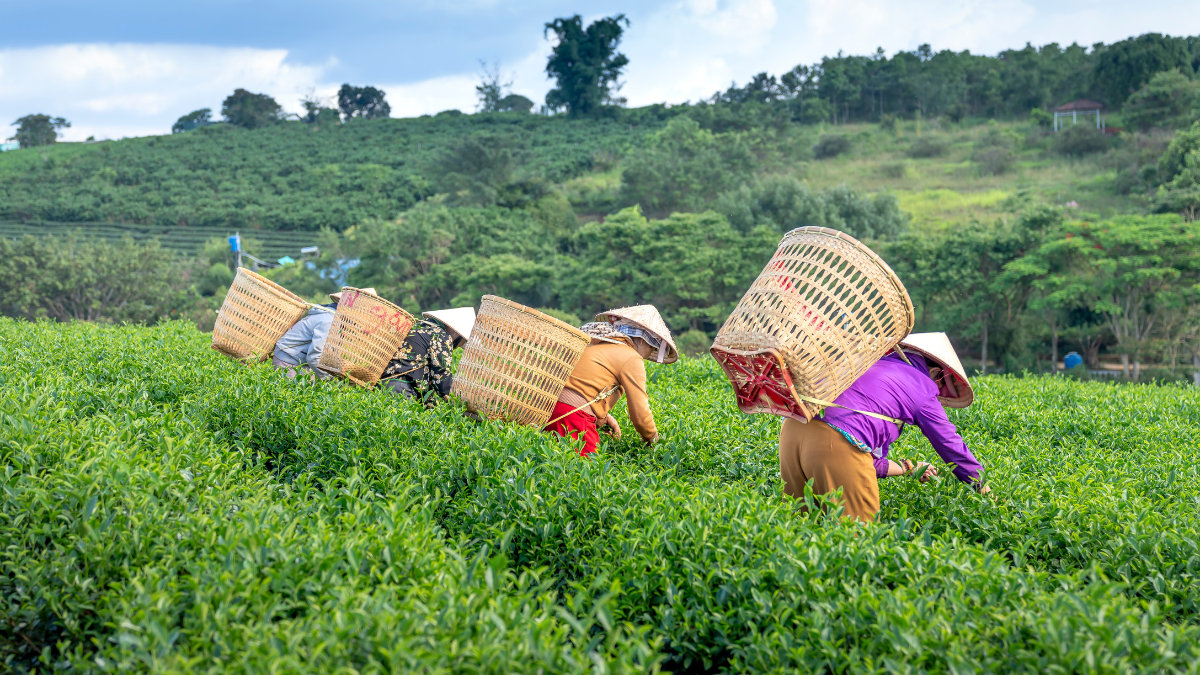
[[847, 88]]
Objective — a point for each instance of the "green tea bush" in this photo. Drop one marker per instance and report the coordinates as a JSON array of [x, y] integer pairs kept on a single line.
[[167, 509]]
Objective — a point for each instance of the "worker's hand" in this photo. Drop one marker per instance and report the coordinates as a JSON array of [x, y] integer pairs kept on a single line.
[[985, 489], [652, 441], [611, 427], [925, 471]]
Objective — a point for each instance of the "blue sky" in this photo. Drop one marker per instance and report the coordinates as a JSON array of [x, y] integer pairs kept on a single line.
[[131, 68]]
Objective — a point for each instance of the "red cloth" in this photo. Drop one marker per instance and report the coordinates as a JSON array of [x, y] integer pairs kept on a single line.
[[574, 425]]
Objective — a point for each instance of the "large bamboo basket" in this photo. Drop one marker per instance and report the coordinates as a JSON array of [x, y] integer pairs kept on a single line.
[[823, 311], [255, 314], [517, 362], [365, 334]]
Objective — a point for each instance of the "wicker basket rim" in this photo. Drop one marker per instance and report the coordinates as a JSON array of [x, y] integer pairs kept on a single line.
[[273, 287], [890, 273], [539, 315], [383, 300]]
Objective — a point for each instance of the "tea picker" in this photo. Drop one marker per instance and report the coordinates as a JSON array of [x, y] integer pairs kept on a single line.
[[299, 350], [613, 363], [822, 338], [516, 362], [365, 333], [421, 367], [848, 447]]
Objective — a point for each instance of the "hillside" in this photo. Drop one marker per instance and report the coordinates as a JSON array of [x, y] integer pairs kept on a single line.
[[296, 177], [678, 206], [289, 176], [166, 509]]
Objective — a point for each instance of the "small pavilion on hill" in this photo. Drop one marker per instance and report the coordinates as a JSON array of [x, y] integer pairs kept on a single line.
[[1079, 107]]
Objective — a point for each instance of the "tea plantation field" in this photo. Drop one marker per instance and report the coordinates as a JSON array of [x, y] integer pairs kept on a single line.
[[165, 509]]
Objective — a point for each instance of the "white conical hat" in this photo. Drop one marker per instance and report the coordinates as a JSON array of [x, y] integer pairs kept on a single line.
[[459, 320], [648, 318], [953, 393]]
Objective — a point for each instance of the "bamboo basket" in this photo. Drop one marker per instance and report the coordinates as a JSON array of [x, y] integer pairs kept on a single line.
[[365, 334], [517, 362], [823, 311], [255, 314]]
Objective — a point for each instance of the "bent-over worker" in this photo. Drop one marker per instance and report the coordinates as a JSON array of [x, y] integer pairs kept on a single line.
[[848, 449], [613, 363], [420, 368], [299, 350]]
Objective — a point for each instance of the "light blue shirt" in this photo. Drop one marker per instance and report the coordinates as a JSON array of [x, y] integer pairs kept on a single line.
[[304, 342]]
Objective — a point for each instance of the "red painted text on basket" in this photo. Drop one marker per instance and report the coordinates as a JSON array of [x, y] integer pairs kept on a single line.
[[394, 321]]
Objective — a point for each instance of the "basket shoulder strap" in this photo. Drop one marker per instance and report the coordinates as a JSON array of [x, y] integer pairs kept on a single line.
[[885, 418], [599, 397]]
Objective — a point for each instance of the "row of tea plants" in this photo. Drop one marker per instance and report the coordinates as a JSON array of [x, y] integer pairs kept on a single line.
[[166, 509]]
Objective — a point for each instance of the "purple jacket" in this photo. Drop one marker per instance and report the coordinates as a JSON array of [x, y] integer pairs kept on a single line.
[[892, 387]]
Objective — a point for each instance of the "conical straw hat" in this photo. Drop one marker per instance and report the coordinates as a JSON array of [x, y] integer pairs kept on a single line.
[[936, 347], [648, 318], [460, 320], [368, 291]]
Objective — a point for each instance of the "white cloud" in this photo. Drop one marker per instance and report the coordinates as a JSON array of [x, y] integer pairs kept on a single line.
[[110, 90], [432, 96], [113, 91], [859, 26], [688, 50]]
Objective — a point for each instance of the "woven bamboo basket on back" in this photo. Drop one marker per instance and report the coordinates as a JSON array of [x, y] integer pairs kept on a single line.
[[255, 314], [823, 311], [365, 334], [517, 362]]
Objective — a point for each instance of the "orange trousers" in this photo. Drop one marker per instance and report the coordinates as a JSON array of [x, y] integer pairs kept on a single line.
[[818, 452]]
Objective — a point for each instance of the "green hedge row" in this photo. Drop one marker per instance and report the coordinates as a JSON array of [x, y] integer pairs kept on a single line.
[[250, 521]]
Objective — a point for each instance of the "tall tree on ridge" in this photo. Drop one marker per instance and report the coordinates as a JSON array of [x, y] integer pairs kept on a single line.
[[246, 109], [585, 63], [35, 130], [365, 102]]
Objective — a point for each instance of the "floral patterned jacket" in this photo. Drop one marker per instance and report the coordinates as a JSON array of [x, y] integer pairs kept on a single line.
[[422, 364]]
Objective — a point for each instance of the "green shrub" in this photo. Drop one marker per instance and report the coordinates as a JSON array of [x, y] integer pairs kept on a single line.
[[994, 150], [783, 203], [683, 168], [1081, 139], [831, 145], [693, 343], [929, 145], [994, 160]]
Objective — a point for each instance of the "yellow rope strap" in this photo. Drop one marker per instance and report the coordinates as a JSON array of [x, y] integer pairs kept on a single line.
[[599, 397], [885, 418]]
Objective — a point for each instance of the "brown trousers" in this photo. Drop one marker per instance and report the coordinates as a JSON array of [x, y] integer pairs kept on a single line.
[[817, 452]]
